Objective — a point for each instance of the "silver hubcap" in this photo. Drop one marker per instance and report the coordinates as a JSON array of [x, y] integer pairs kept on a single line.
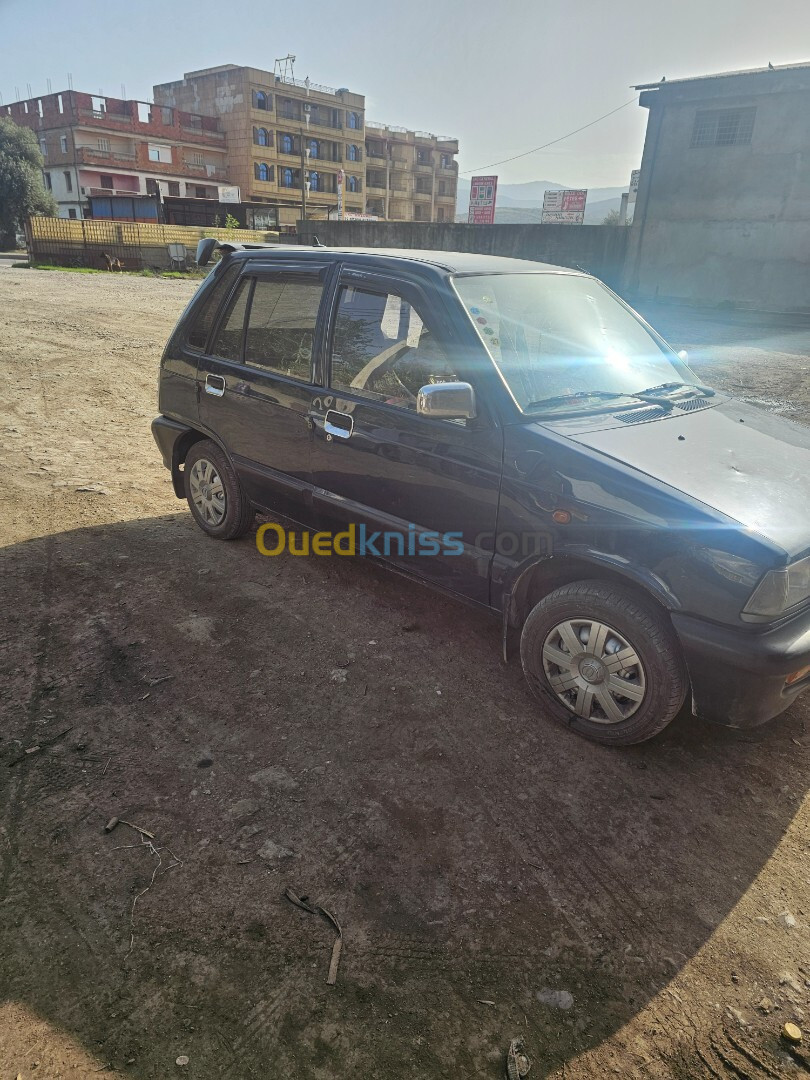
[[207, 492], [594, 671]]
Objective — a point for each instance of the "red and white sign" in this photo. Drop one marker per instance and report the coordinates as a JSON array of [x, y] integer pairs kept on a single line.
[[564, 207], [483, 190]]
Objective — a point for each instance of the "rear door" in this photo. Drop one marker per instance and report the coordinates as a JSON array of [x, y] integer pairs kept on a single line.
[[256, 382], [377, 463]]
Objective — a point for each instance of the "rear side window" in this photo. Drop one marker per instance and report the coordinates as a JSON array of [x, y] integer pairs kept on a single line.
[[281, 326], [228, 342], [204, 316]]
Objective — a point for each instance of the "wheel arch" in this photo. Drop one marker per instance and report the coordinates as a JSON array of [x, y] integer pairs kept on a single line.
[[531, 583], [180, 451]]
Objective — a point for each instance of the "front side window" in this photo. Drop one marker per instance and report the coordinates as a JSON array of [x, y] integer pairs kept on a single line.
[[351, 183], [281, 327], [314, 181], [353, 120], [228, 342], [313, 148], [263, 171], [383, 350], [287, 178], [553, 336]]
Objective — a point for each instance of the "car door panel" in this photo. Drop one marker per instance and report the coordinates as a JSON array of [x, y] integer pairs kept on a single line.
[[262, 415], [398, 471]]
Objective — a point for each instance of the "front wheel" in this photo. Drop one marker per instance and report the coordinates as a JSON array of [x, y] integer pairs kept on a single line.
[[603, 662], [215, 496]]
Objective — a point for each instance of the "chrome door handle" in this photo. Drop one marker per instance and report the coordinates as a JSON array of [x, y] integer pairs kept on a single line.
[[333, 429], [214, 385]]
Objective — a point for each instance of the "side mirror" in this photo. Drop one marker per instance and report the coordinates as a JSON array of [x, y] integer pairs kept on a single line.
[[205, 249], [683, 355], [447, 401]]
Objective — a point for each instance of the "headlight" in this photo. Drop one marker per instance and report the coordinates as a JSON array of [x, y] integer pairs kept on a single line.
[[780, 590]]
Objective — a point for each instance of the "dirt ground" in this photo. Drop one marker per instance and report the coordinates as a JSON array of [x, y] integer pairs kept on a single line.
[[325, 726]]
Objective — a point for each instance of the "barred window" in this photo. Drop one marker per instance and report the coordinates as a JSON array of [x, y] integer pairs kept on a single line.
[[723, 127]]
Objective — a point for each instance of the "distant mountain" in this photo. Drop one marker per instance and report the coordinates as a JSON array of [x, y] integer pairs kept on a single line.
[[528, 197]]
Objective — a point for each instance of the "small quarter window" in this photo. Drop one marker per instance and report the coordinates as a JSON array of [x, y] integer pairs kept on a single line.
[[281, 330], [203, 318], [228, 342]]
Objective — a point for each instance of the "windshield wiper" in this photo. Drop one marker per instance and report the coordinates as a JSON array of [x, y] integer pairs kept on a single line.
[[598, 395], [706, 390]]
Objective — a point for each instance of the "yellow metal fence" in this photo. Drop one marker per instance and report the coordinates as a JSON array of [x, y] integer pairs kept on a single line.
[[137, 246]]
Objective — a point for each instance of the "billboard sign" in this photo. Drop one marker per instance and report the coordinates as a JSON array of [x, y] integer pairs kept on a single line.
[[483, 190], [229, 194], [564, 207], [341, 176], [634, 177]]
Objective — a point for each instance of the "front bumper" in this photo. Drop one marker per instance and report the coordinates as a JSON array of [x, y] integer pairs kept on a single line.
[[738, 677]]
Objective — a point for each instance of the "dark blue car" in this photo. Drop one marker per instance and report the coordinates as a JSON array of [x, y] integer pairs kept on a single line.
[[515, 434]]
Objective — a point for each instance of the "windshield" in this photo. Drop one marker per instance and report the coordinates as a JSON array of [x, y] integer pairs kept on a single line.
[[555, 336]]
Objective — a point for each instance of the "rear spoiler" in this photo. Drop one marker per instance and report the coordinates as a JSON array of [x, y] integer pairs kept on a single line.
[[207, 247]]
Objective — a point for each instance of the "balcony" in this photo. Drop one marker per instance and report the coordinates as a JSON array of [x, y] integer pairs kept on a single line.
[[87, 191], [203, 169], [424, 167], [448, 170], [448, 145], [375, 189], [91, 155], [218, 136], [422, 196]]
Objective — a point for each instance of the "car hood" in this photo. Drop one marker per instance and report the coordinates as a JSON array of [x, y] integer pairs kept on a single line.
[[750, 465]]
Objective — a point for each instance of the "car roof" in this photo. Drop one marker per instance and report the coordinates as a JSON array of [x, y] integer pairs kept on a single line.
[[456, 262]]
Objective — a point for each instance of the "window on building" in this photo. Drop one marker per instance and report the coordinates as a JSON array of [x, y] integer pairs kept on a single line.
[[263, 171], [314, 148], [446, 161], [197, 158], [105, 181], [260, 136], [104, 146], [723, 127], [423, 157], [200, 193], [383, 350], [281, 330], [286, 146], [159, 152], [288, 178], [48, 181], [152, 186], [174, 187], [59, 103], [261, 100], [228, 342], [63, 143], [71, 213], [353, 120], [68, 181], [442, 187], [315, 182], [423, 186], [43, 146], [352, 153], [440, 214], [352, 183]]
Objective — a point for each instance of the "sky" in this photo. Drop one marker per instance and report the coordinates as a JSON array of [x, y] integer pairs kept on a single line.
[[503, 76]]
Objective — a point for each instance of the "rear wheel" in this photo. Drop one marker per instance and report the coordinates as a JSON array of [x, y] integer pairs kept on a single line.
[[215, 496], [603, 662]]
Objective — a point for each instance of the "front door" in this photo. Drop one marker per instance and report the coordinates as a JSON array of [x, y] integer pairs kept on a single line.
[[257, 383], [422, 492]]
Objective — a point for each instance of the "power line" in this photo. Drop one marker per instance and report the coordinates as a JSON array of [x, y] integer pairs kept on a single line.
[[553, 142]]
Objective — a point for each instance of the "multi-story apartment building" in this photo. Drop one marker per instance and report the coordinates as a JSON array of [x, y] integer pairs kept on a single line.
[[103, 146], [410, 175], [282, 133]]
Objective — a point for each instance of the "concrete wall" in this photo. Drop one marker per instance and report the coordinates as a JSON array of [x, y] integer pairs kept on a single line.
[[726, 224], [600, 249]]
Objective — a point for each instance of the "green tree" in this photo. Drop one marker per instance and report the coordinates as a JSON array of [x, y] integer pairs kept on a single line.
[[612, 218], [231, 223], [21, 189]]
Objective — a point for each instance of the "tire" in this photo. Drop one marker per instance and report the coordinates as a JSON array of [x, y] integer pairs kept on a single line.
[[215, 497], [586, 695]]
